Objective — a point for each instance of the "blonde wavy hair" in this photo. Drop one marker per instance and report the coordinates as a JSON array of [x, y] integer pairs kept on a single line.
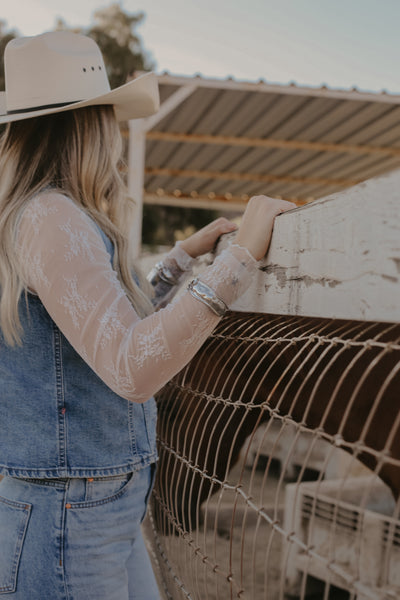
[[77, 153]]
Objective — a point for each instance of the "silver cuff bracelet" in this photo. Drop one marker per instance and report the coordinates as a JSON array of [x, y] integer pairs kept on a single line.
[[201, 291], [161, 271]]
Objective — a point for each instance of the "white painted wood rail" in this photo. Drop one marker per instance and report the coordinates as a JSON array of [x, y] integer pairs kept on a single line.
[[338, 257]]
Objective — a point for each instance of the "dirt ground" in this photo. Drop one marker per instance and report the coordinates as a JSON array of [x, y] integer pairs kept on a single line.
[[244, 547], [236, 553]]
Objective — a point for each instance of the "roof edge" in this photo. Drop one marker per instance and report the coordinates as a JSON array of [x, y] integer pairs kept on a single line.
[[278, 88]]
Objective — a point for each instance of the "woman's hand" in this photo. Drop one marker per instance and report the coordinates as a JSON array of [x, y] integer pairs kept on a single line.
[[204, 240], [254, 232], [258, 220]]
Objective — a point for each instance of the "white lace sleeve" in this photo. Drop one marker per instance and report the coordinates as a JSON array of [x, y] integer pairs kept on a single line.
[[65, 262]]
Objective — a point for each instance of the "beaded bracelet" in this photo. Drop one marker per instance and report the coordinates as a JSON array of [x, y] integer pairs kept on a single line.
[[201, 291]]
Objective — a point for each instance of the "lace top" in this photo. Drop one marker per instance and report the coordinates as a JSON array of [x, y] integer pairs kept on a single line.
[[66, 264]]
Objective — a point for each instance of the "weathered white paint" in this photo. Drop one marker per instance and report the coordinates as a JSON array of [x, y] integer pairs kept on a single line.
[[338, 257]]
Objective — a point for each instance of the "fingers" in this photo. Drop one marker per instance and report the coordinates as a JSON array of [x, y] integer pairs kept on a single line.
[[223, 225], [256, 227], [254, 232], [204, 240], [274, 204], [287, 206]]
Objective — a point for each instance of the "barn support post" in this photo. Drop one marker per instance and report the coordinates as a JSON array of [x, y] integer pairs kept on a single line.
[[137, 150], [138, 129]]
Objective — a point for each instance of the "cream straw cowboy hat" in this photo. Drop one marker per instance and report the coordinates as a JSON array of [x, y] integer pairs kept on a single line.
[[60, 71]]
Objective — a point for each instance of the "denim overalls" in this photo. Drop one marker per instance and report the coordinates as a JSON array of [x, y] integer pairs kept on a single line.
[[78, 462]]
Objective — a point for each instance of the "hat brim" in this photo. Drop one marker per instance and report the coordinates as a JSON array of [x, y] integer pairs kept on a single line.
[[134, 100]]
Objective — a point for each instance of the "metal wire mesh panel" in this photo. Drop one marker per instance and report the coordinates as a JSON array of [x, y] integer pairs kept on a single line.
[[279, 469]]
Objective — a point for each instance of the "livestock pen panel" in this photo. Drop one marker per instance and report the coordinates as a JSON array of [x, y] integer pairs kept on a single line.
[[279, 443]]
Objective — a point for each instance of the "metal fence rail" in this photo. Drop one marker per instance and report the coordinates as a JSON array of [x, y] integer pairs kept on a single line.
[[280, 463]]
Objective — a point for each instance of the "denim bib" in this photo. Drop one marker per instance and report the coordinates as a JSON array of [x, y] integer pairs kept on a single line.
[[57, 417]]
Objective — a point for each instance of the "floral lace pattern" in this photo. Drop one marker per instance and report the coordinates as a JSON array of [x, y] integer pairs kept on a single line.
[[74, 302], [78, 242], [65, 262]]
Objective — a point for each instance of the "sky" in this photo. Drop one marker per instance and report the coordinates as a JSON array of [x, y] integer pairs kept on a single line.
[[338, 43]]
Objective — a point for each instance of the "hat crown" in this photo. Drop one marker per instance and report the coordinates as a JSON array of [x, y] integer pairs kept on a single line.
[[53, 69]]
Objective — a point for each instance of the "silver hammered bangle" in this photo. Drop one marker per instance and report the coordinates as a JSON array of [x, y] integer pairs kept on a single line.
[[161, 271], [201, 291]]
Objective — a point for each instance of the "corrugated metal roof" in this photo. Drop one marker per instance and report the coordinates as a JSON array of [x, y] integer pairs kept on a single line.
[[228, 140]]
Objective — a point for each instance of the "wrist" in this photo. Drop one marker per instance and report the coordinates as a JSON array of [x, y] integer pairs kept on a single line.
[[248, 247], [201, 291], [185, 245], [182, 258], [161, 272]]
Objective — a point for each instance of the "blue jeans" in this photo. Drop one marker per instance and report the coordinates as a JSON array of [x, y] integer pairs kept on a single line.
[[75, 539]]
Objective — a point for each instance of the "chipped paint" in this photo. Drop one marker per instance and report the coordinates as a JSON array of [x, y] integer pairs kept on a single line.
[[335, 258]]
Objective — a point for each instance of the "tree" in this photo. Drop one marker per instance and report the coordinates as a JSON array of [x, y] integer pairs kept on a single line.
[[115, 32]]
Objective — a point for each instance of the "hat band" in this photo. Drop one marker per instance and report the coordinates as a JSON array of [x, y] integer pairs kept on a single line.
[[44, 106]]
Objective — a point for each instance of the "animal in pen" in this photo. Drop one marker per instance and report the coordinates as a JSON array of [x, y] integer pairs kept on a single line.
[[221, 529], [274, 442]]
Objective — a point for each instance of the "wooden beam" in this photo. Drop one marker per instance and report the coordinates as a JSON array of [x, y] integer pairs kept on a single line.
[[229, 175], [204, 201], [225, 140], [338, 257]]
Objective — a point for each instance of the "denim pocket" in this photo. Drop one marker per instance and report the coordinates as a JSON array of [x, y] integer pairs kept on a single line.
[[103, 488], [14, 517], [99, 491]]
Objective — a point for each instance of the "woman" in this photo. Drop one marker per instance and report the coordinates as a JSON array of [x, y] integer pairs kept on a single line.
[[81, 351]]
